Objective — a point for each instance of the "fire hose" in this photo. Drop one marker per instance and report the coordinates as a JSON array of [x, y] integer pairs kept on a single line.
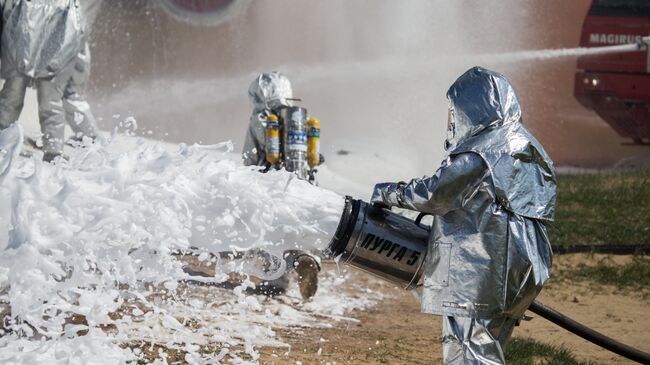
[[589, 334], [603, 249], [581, 330]]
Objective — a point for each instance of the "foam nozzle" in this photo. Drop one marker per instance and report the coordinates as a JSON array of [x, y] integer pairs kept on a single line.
[[344, 229], [380, 242]]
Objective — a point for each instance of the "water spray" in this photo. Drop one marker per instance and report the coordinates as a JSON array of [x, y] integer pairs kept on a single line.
[[641, 45]]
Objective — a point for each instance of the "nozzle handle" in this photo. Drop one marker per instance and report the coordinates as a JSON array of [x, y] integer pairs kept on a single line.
[[418, 220]]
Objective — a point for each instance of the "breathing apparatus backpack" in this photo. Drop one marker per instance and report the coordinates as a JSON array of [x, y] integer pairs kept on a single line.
[[292, 141]]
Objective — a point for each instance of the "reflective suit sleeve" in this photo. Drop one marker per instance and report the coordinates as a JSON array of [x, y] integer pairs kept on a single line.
[[251, 154], [254, 144], [457, 178]]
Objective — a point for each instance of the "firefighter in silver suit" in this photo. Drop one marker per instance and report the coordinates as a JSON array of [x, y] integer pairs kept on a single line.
[[78, 113], [489, 253], [267, 93], [40, 42]]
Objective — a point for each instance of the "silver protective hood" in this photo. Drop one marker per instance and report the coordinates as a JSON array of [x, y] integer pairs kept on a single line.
[[269, 91], [40, 37], [486, 119]]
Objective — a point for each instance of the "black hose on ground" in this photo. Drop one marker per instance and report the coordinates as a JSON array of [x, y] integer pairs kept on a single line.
[[604, 249], [589, 334]]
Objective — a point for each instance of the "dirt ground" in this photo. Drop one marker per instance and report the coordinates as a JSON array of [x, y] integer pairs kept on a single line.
[[395, 332], [620, 315]]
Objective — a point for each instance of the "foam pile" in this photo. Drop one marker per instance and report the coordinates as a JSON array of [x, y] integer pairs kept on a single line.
[[87, 265]]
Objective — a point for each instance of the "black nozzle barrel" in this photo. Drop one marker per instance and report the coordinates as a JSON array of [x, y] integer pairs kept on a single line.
[[380, 242]]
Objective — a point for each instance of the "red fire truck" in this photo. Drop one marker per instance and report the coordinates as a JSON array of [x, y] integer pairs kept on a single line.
[[617, 85]]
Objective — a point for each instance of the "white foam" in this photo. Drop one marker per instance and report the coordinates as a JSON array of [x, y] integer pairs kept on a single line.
[[94, 237]]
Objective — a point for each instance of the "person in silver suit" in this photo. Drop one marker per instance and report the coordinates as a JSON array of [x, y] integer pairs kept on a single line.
[[78, 113], [41, 40], [494, 194], [267, 93]]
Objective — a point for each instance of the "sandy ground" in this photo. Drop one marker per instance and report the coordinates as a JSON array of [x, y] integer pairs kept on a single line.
[[620, 315], [395, 332]]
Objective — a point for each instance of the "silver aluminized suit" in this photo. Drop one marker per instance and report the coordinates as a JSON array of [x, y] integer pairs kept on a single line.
[[40, 41], [489, 254], [267, 92], [78, 114]]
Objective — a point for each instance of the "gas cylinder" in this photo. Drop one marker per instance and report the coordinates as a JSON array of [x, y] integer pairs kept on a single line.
[[380, 242], [272, 139], [313, 142], [294, 121]]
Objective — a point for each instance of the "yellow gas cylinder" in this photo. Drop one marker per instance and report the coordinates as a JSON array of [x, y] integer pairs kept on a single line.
[[272, 139], [313, 142]]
